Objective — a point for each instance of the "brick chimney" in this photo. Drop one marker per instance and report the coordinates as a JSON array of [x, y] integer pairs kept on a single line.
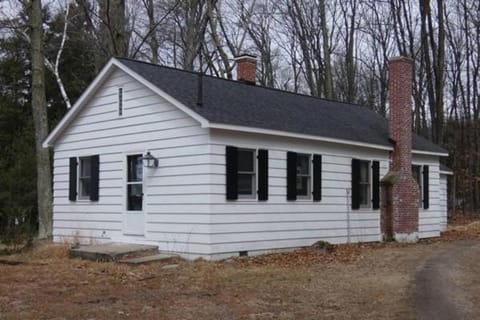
[[246, 68], [399, 189]]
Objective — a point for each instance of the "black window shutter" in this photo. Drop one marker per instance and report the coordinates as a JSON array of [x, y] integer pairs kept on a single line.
[[94, 177], [262, 175], [232, 172], [291, 175], [72, 185], [375, 185], [426, 200], [317, 177], [355, 184]]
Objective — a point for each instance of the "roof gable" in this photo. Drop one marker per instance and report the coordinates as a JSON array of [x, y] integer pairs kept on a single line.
[[104, 74]]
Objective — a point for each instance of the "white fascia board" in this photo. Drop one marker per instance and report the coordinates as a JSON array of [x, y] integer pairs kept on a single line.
[[203, 122], [430, 153], [448, 173], [91, 89], [297, 135]]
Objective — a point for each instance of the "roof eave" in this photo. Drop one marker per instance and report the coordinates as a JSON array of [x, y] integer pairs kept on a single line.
[[297, 135], [430, 153], [448, 173]]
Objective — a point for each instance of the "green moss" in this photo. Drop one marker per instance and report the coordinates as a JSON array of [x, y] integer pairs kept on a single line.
[[390, 178], [323, 246]]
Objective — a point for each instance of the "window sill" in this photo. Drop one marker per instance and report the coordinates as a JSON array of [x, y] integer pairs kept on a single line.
[[365, 209], [83, 200], [246, 200]]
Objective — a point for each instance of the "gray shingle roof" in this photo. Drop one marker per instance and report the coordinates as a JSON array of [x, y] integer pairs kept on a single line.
[[237, 103]]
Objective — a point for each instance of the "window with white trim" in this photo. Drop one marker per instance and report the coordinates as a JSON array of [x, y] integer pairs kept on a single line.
[[417, 175], [364, 182], [304, 176], [84, 177], [246, 173], [135, 182]]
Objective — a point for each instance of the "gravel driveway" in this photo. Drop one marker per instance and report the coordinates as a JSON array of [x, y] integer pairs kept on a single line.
[[447, 284]]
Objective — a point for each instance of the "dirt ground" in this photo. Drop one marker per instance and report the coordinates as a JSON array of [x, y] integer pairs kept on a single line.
[[361, 281]]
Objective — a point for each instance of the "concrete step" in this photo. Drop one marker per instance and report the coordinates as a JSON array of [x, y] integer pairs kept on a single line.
[[148, 259], [112, 251]]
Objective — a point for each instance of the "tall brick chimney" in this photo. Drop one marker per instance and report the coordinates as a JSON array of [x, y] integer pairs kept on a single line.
[[399, 189], [246, 68]]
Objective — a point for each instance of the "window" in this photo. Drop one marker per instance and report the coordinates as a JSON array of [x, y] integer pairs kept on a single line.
[[421, 176], [84, 177], [300, 173], [245, 176], [246, 173], [303, 184], [120, 101], [134, 182], [364, 182], [417, 175]]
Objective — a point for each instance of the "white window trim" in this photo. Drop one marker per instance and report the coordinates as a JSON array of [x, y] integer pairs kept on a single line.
[[370, 184], [252, 196], [308, 197], [80, 197], [420, 184], [127, 183]]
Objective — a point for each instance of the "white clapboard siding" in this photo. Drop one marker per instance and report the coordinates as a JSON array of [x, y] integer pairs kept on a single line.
[[443, 202], [248, 224], [179, 187], [430, 219]]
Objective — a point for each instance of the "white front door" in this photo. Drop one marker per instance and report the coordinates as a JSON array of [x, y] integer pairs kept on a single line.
[[134, 220]]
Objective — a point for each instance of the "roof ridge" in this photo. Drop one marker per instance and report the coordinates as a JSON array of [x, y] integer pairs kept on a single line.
[[243, 83]]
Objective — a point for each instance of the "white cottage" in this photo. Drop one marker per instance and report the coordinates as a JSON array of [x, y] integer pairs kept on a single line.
[[234, 167]]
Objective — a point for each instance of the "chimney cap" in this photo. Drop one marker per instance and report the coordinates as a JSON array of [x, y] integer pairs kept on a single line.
[[401, 59], [246, 56]]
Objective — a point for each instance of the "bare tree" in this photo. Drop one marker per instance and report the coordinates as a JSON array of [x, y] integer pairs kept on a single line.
[[39, 108]]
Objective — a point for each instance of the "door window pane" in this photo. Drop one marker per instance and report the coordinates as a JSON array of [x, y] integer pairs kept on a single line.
[[135, 196], [135, 168], [134, 182]]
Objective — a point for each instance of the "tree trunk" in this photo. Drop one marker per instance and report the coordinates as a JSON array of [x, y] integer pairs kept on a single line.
[[326, 52], [152, 25], [39, 108], [112, 30]]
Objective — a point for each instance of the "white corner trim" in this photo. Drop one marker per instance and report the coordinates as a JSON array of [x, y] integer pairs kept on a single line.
[[92, 88], [296, 135]]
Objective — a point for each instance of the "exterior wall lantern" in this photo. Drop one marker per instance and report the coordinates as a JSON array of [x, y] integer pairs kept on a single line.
[[150, 161]]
